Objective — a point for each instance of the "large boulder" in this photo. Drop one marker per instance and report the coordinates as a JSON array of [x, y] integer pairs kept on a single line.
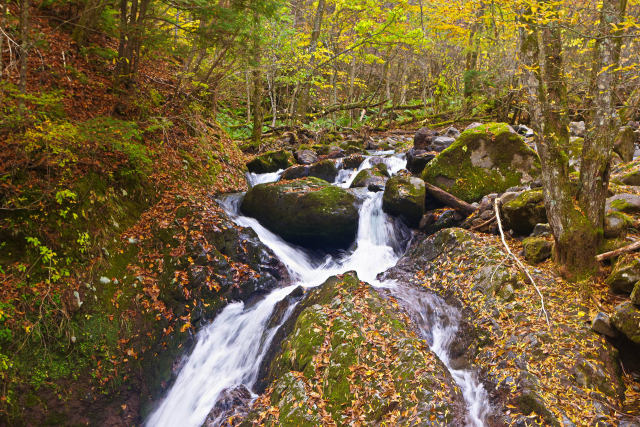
[[350, 357], [404, 196], [271, 161], [524, 211], [324, 169], [483, 160], [623, 202], [625, 274], [308, 211], [626, 319], [624, 144]]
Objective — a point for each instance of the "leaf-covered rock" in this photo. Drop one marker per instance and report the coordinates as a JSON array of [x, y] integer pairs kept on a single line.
[[483, 160]]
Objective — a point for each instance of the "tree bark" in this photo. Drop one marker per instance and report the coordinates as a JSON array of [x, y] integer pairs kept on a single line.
[[24, 52], [256, 134]]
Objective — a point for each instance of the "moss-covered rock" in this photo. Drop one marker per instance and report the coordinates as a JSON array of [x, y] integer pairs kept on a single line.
[[625, 274], [522, 213], [351, 356], [635, 294], [483, 160], [404, 197], [295, 172], [324, 169], [624, 144], [308, 211], [616, 224], [536, 249], [626, 319], [373, 178], [353, 161], [271, 161], [623, 202]]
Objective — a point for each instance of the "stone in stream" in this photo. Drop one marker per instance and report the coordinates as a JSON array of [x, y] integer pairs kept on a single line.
[[295, 172], [374, 179], [345, 340], [441, 143], [483, 160], [353, 161], [324, 169], [418, 159], [233, 402], [309, 212], [271, 161], [404, 196]]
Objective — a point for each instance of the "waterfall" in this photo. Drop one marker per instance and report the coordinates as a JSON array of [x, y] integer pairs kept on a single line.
[[229, 351]]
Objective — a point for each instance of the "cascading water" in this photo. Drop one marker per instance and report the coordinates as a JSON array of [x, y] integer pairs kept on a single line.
[[229, 351]]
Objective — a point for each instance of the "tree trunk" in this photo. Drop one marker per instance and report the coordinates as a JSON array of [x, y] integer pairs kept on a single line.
[[256, 134], [576, 240], [24, 52]]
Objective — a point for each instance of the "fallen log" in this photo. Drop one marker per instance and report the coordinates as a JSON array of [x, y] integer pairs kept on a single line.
[[449, 199], [625, 249]]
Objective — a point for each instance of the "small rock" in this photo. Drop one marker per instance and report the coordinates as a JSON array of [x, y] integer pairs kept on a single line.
[[615, 224], [441, 143], [602, 325], [423, 138], [625, 274], [525, 211], [324, 169], [405, 197], [353, 161], [306, 157], [536, 249], [104, 280], [541, 230], [626, 319], [452, 132]]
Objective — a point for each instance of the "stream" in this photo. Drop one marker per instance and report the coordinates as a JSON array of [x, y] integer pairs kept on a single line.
[[229, 351]]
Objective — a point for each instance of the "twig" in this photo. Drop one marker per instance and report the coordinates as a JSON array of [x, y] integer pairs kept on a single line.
[[479, 226], [520, 264]]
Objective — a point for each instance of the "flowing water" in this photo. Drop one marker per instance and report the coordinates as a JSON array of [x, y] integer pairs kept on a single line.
[[229, 351]]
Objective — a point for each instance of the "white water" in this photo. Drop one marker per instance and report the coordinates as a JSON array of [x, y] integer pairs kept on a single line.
[[229, 351]]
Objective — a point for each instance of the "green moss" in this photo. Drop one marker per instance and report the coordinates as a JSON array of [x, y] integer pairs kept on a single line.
[[483, 160], [271, 161], [525, 211], [536, 249], [405, 197]]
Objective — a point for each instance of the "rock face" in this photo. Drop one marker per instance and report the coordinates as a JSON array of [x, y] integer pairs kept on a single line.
[[625, 274], [483, 160], [624, 144], [350, 357], [536, 249], [626, 319], [308, 211], [374, 179], [526, 368], [405, 197], [271, 161], [525, 211]]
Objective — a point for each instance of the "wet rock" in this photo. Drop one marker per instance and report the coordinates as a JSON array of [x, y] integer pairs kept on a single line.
[[537, 249], [525, 211], [578, 129], [483, 160], [271, 161], [436, 222], [374, 179], [233, 402], [324, 169], [624, 144], [418, 159], [405, 197], [626, 319], [423, 138], [306, 157], [602, 325], [353, 161], [308, 211], [295, 172], [625, 274], [541, 230]]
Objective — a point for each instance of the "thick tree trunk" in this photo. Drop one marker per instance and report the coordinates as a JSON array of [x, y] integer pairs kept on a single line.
[[576, 240]]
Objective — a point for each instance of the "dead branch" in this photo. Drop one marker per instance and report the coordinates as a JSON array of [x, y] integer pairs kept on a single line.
[[623, 250]]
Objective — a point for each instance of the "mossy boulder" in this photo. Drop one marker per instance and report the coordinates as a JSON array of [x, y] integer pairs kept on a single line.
[[536, 249], [626, 319], [623, 202], [352, 357], [523, 212], [625, 274], [616, 224], [308, 211], [404, 196], [627, 173], [353, 161], [271, 161], [295, 172], [306, 156], [324, 169], [635, 294], [483, 160], [624, 144], [374, 179]]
